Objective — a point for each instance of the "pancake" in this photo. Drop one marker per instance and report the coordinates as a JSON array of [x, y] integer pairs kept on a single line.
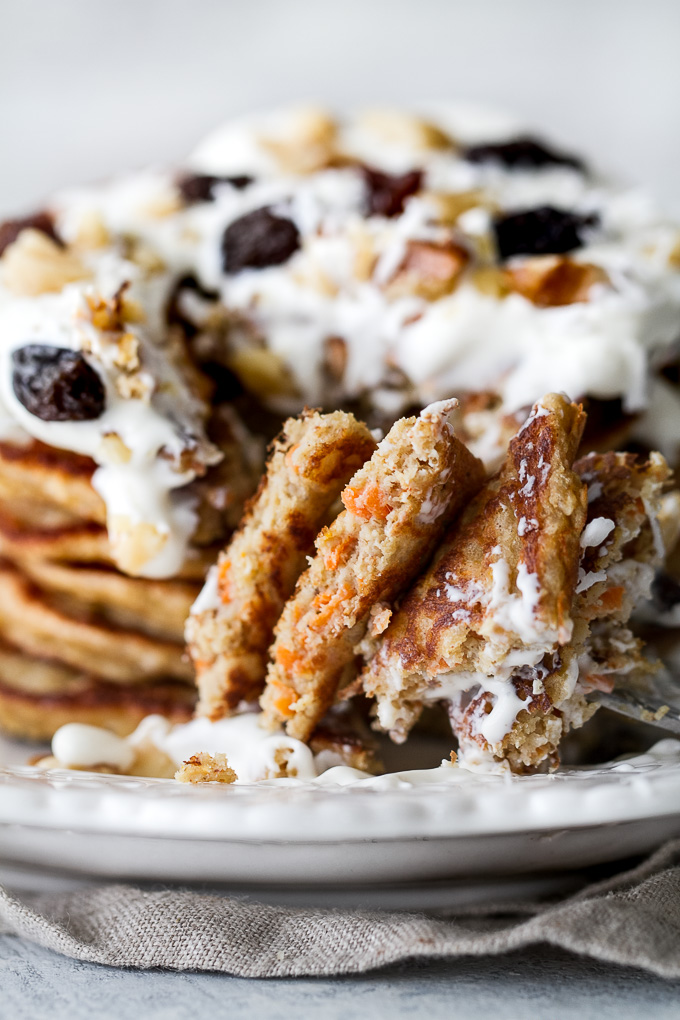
[[501, 585], [396, 509], [526, 607], [157, 608], [23, 540], [37, 696], [231, 627], [47, 627]]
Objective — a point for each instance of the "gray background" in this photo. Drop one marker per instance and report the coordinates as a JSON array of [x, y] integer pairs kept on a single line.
[[88, 86]]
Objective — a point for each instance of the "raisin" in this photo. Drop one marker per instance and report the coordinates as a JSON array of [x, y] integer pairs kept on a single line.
[[386, 193], [201, 187], [258, 240], [520, 154], [665, 592], [542, 231], [42, 221], [57, 384]]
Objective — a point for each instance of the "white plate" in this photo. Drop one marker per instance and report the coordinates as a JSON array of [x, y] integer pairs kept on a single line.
[[398, 828]]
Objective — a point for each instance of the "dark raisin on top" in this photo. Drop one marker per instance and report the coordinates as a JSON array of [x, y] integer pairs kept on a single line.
[[386, 193], [42, 221], [196, 188], [521, 153], [258, 240], [665, 592], [57, 384], [541, 231]]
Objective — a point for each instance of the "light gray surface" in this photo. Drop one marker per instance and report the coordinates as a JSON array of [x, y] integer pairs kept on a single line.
[[88, 88], [35, 983]]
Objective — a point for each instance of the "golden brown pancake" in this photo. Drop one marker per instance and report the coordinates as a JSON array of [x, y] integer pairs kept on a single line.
[[49, 627], [309, 464], [396, 508], [37, 696]]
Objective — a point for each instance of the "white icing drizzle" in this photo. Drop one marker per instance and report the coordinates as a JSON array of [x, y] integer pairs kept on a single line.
[[155, 428], [596, 531], [78, 746], [466, 340], [209, 597]]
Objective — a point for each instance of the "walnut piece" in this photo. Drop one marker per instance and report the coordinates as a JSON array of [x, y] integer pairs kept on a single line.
[[35, 264], [309, 144], [396, 127], [428, 270], [261, 371], [550, 281], [452, 204], [206, 768], [133, 545]]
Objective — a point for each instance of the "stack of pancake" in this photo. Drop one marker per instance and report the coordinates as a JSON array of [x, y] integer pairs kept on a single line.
[[80, 640]]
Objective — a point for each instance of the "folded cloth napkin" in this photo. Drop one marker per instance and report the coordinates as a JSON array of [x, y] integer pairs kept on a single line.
[[632, 918]]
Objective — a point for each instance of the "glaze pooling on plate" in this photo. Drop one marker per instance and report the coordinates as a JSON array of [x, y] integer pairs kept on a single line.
[[440, 802]]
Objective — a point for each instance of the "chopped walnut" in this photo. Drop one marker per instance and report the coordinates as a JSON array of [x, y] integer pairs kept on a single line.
[[135, 386], [396, 127], [206, 768], [492, 281], [35, 264], [133, 545], [92, 232], [674, 257], [553, 280], [312, 275], [428, 270], [261, 371], [144, 256], [451, 205], [127, 353], [113, 450], [365, 257], [309, 145]]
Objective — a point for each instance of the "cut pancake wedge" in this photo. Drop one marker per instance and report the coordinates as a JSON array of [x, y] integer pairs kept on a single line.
[[396, 509], [499, 592], [231, 627]]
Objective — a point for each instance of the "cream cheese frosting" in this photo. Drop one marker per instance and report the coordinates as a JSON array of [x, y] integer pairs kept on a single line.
[[348, 279]]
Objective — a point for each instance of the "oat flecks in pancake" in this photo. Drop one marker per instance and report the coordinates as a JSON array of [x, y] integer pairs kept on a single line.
[[310, 462], [501, 585], [397, 507], [42, 627]]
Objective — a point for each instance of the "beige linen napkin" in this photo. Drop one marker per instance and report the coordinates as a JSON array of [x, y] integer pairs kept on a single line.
[[632, 918]]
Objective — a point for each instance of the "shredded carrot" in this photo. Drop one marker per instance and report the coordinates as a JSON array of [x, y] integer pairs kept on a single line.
[[223, 585], [326, 604], [367, 503], [286, 658], [612, 598], [335, 554], [285, 700]]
